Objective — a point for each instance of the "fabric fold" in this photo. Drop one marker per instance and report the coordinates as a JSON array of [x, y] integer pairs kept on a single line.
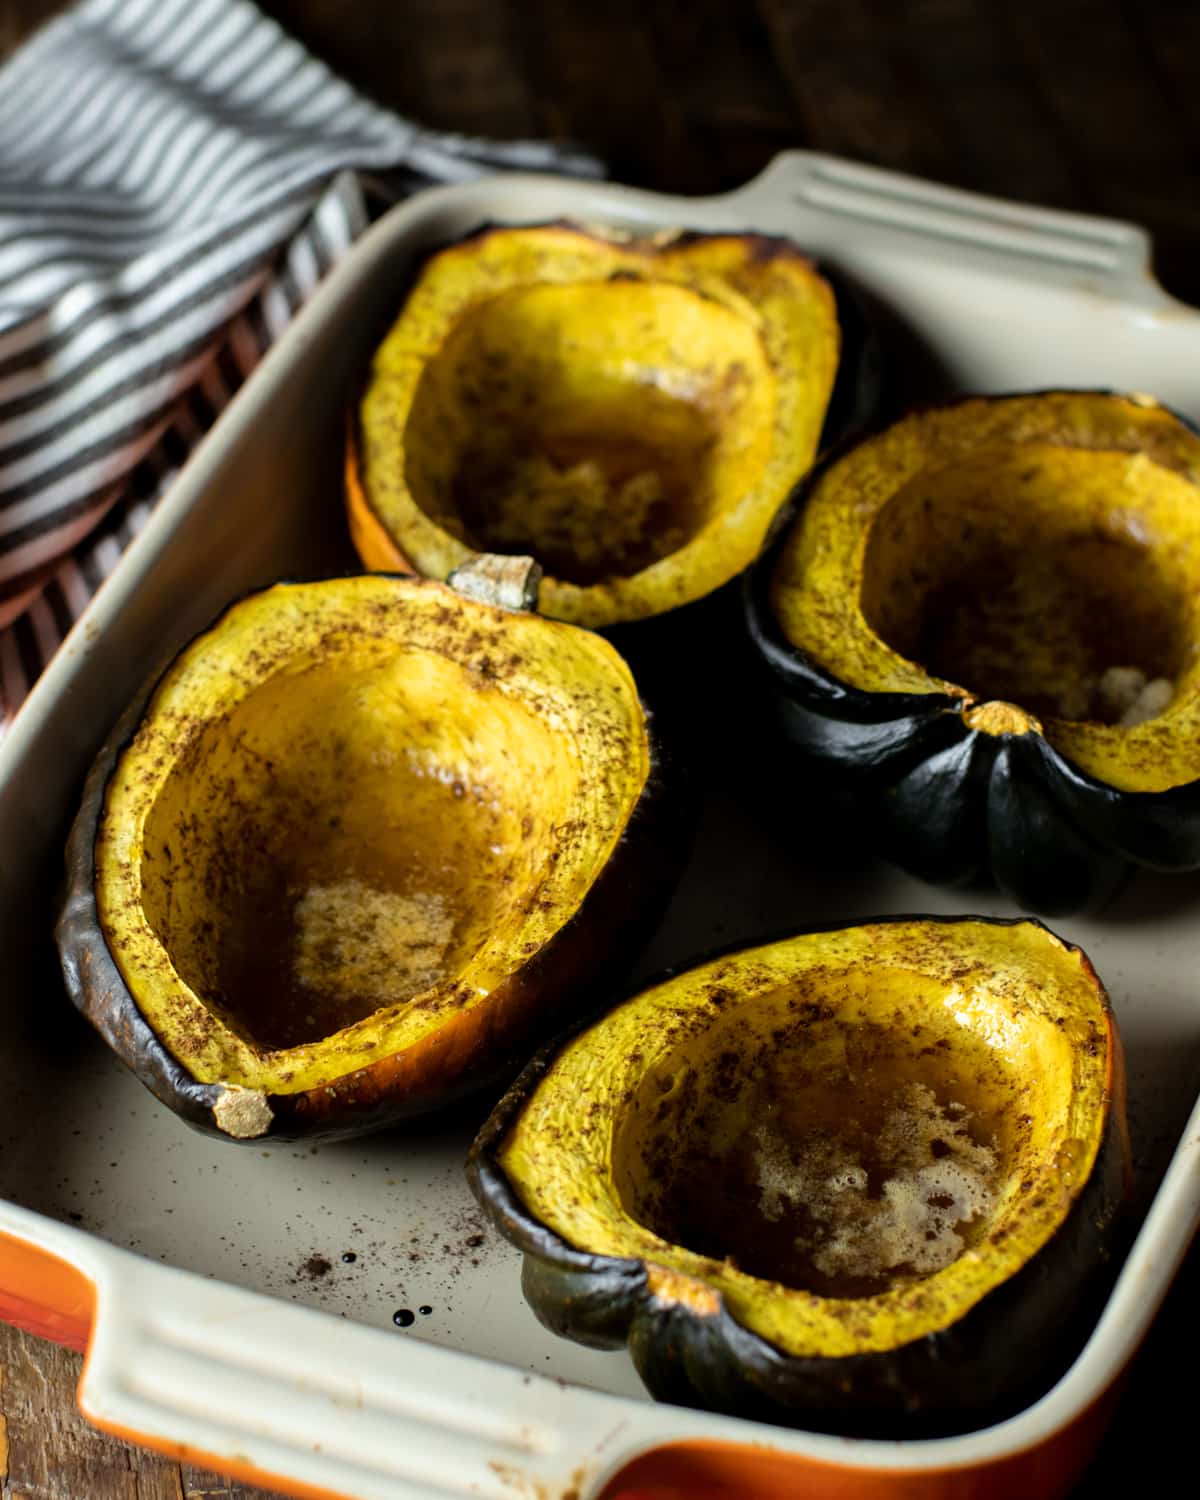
[[175, 177]]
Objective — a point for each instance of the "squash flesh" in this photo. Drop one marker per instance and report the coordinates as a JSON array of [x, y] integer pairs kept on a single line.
[[1016, 1010], [351, 811], [315, 875], [1039, 568], [592, 425]]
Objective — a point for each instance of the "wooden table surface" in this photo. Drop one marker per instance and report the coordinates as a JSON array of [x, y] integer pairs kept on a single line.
[[1076, 104]]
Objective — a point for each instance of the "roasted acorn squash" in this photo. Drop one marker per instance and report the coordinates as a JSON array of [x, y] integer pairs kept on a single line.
[[630, 413], [860, 1179], [986, 621], [367, 841]]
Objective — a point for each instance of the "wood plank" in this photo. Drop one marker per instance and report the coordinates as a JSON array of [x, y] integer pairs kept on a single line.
[[52, 1453], [201, 1484], [1167, 38], [157, 1478], [846, 69], [20, 18], [594, 76], [1117, 123], [733, 105], [48, 1451], [961, 58], [451, 64]]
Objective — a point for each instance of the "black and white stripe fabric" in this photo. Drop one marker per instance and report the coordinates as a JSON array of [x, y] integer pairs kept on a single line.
[[175, 177]]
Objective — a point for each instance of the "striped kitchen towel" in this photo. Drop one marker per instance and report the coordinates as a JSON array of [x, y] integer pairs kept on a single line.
[[175, 177]]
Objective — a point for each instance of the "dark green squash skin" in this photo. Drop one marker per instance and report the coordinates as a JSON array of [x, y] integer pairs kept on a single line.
[[958, 806], [997, 1358], [593, 950]]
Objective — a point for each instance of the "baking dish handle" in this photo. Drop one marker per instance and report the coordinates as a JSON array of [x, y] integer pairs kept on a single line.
[[838, 206], [297, 1400]]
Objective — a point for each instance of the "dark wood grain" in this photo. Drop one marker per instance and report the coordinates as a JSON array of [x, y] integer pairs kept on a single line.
[[1090, 105], [48, 1452], [1087, 105]]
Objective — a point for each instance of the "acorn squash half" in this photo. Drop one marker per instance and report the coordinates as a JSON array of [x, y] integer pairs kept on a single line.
[[368, 840], [862, 1179], [986, 621], [630, 412]]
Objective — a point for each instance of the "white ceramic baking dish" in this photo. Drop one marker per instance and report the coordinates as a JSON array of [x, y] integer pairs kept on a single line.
[[210, 1283]]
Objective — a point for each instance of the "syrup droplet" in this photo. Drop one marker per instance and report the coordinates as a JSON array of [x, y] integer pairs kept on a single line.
[[403, 1318]]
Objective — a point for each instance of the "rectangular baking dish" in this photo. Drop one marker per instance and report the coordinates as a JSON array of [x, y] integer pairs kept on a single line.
[[207, 1282]]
